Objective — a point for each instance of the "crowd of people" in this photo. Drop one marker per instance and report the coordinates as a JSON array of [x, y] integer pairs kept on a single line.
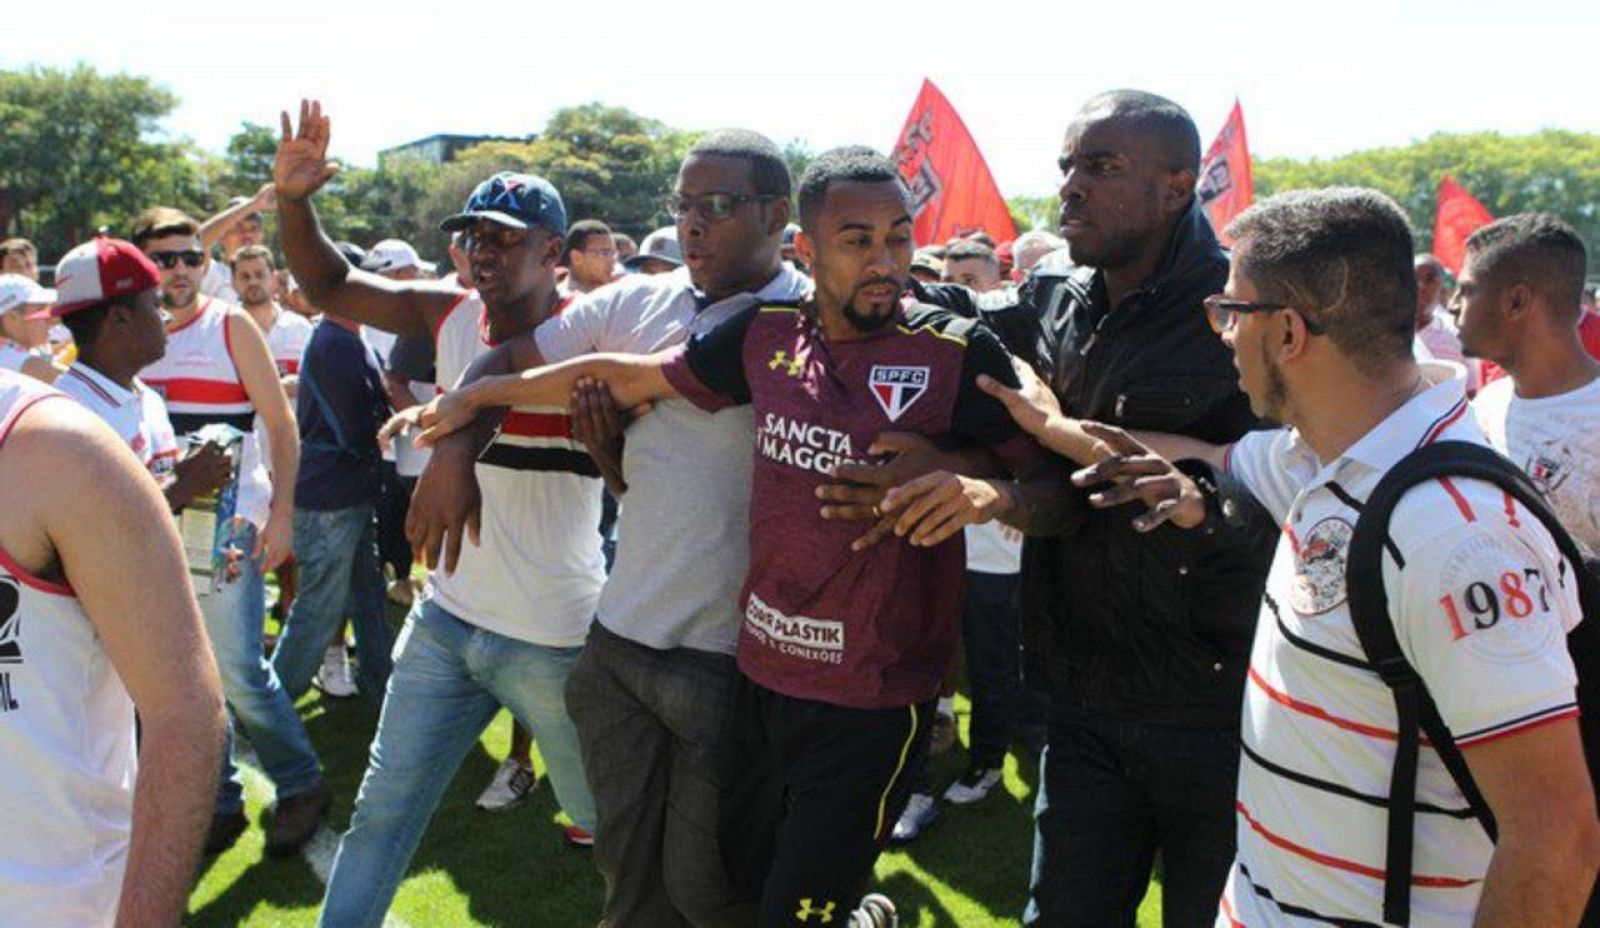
[[719, 515]]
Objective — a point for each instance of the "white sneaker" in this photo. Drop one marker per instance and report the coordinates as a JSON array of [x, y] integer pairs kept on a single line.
[[400, 592], [921, 811], [974, 785], [333, 677], [510, 784]]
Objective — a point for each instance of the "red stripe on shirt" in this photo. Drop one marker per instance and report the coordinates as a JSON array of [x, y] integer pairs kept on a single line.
[[28, 578], [196, 390], [1461, 501], [1294, 540], [1511, 511], [1339, 863], [439, 323], [98, 390], [192, 319], [537, 425], [1317, 712], [1227, 911], [1456, 412], [1536, 723]]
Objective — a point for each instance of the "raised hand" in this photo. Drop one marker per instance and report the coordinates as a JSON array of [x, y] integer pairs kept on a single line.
[[301, 166], [1032, 405]]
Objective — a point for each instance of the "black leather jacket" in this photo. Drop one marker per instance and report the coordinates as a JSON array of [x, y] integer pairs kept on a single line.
[[1156, 625]]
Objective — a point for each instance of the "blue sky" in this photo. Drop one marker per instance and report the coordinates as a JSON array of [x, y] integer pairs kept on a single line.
[[1315, 79]]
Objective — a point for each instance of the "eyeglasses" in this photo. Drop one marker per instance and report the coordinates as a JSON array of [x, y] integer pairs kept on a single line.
[[167, 260], [712, 206], [599, 252], [1223, 313]]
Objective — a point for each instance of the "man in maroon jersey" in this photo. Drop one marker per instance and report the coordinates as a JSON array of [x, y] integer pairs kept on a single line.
[[841, 650]]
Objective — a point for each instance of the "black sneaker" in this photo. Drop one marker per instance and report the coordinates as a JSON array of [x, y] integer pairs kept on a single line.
[[295, 820], [225, 831]]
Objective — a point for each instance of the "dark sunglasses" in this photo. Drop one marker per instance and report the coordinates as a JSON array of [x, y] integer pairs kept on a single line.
[[167, 260], [1223, 313], [712, 206]]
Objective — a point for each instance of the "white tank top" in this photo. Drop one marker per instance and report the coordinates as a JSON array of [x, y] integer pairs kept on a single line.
[[197, 377], [537, 573], [286, 341], [67, 759]]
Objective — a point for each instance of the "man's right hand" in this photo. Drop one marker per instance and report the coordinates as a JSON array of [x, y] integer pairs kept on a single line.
[[446, 506], [301, 166], [1137, 474]]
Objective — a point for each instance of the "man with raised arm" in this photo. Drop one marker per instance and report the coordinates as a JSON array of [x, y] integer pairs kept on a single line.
[[841, 651], [650, 694], [506, 626], [97, 620]]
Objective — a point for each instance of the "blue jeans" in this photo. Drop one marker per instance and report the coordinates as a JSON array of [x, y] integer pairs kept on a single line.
[[449, 680], [235, 617], [991, 626], [337, 554], [1115, 792]]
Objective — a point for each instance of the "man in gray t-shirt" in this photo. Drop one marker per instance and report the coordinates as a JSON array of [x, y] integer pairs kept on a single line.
[[650, 692]]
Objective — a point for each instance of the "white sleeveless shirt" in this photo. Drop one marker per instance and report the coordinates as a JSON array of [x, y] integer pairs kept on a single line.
[[536, 575], [67, 758]]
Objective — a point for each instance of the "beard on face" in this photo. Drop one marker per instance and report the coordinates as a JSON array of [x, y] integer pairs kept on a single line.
[[865, 322], [169, 299]]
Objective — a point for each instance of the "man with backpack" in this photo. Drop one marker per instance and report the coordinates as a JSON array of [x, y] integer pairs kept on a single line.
[[1411, 752]]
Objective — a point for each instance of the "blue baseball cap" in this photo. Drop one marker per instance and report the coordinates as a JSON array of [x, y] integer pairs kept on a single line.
[[521, 201]]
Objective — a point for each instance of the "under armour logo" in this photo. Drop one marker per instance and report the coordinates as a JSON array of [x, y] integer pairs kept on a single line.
[[823, 913], [792, 366]]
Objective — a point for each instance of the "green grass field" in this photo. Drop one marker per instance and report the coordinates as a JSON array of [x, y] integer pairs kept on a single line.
[[511, 868]]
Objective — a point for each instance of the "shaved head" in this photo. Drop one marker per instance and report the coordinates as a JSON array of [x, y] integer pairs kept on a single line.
[[1167, 125]]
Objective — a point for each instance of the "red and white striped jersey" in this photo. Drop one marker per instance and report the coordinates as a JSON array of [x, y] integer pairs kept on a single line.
[[1481, 601], [197, 378], [537, 573], [67, 758]]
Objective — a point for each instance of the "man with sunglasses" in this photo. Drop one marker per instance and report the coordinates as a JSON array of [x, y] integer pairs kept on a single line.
[[218, 369], [503, 624], [650, 694]]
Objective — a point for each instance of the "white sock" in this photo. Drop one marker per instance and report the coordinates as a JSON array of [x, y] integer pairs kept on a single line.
[[947, 706]]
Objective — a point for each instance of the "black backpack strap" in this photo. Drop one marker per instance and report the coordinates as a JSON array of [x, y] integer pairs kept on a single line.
[[1369, 613]]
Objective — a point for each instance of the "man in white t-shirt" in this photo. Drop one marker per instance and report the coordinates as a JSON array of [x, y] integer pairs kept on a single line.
[[1519, 298], [1319, 310], [115, 341]]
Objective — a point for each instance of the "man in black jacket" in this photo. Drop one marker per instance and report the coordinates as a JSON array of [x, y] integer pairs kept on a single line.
[[1141, 638]]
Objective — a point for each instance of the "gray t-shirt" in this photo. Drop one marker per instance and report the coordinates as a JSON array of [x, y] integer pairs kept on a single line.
[[683, 532]]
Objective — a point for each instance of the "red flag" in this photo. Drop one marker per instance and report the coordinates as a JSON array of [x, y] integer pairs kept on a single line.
[[1224, 186], [952, 191], [1458, 216]]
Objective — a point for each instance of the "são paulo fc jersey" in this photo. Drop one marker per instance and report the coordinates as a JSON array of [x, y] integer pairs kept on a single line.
[[871, 629]]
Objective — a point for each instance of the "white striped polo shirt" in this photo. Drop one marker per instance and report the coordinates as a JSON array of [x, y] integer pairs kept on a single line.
[[137, 416], [1481, 601]]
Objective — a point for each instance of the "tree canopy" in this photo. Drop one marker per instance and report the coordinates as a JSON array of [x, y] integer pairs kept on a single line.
[[80, 150]]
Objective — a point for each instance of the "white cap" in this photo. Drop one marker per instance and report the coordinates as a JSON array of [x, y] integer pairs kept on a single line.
[[392, 254], [17, 291]]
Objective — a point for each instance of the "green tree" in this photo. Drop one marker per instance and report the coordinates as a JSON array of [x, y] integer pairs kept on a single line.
[[1031, 213], [79, 149], [249, 159], [1552, 171]]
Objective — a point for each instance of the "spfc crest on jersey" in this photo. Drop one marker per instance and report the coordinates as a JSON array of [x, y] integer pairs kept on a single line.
[[896, 388]]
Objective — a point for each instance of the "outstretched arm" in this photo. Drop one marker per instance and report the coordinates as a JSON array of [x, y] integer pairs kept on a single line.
[[632, 379], [299, 170]]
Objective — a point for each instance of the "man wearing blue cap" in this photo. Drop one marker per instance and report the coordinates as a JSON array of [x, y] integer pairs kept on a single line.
[[507, 624]]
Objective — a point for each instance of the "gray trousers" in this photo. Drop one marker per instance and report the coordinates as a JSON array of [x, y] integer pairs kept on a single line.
[[650, 724]]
